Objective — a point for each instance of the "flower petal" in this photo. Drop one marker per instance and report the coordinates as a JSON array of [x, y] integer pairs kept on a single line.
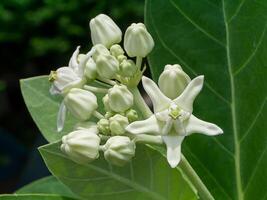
[[81, 65], [73, 60], [148, 126], [173, 144], [61, 116], [159, 100], [179, 127], [195, 125], [186, 99]]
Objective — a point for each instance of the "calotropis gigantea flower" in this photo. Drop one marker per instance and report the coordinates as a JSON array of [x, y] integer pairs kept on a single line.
[[104, 31], [65, 78], [173, 118]]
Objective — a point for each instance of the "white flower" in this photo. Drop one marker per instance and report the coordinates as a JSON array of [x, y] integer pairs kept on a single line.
[[65, 78], [173, 119]]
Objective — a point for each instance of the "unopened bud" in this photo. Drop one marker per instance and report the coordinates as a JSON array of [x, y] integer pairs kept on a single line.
[[107, 66], [173, 80], [104, 31], [82, 146], [117, 124], [80, 103], [105, 101], [131, 115], [90, 69], [116, 50], [138, 41], [103, 126], [121, 58], [120, 98], [119, 150], [86, 125], [127, 68], [100, 49]]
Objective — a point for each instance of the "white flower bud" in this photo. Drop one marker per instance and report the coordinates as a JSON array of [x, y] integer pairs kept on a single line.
[[120, 98], [103, 126], [127, 68], [138, 41], [116, 50], [81, 103], [131, 115], [105, 101], [82, 146], [117, 124], [121, 58], [173, 81], [107, 66], [104, 31], [90, 69], [119, 150], [100, 49], [64, 79], [86, 125]]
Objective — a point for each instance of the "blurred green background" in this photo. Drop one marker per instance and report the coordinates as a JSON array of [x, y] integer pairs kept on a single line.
[[37, 36]]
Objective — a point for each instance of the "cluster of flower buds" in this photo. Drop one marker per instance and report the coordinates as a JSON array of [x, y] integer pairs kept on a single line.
[[117, 129]]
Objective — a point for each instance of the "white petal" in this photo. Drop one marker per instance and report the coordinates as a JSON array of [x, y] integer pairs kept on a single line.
[[61, 116], [179, 127], [148, 126], [54, 90], [159, 100], [167, 126], [186, 99], [83, 62], [195, 125], [173, 144], [73, 60]]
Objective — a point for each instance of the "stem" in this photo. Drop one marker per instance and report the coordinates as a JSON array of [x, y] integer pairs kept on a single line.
[[140, 103], [143, 138], [184, 164], [107, 81], [95, 89], [98, 115], [138, 62], [194, 178]]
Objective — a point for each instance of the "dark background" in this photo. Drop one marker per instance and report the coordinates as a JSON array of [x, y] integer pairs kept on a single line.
[[37, 36]]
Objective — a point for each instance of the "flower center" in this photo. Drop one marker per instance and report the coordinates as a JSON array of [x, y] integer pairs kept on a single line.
[[52, 76], [174, 112]]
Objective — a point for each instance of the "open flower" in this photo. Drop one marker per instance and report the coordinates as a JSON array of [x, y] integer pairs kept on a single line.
[[173, 119]]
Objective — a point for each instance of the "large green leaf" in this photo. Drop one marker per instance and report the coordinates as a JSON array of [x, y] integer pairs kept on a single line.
[[33, 197], [148, 176], [44, 107], [47, 185], [226, 41]]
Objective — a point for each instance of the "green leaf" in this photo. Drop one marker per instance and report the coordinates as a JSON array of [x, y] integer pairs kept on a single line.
[[33, 197], [226, 41], [148, 176], [47, 185], [44, 107]]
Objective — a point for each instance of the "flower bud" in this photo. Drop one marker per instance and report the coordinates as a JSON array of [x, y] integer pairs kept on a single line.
[[103, 126], [104, 31], [64, 79], [119, 150], [120, 98], [82, 146], [127, 68], [105, 101], [100, 49], [173, 81], [121, 58], [107, 66], [81, 103], [90, 69], [109, 114], [116, 50], [86, 125], [138, 41], [117, 124], [131, 115]]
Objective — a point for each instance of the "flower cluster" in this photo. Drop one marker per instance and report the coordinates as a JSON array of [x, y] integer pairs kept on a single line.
[[118, 70]]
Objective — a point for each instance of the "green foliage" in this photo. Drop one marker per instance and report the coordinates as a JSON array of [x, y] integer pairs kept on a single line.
[[148, 176], [226, 41], [34, 197]]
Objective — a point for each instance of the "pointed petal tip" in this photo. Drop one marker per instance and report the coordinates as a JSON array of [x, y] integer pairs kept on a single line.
[[145, 79], [173, 163]]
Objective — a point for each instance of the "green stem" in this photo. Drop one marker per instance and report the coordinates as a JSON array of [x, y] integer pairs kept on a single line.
[[195, 179], [139, 62], [184, 164], [140, 103], [95, 89], [98, 115]]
